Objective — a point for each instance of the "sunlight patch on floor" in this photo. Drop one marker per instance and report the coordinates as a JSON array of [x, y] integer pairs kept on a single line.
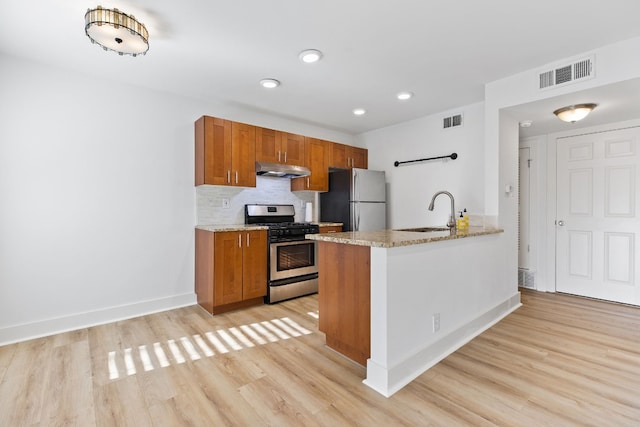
[[130, 361]]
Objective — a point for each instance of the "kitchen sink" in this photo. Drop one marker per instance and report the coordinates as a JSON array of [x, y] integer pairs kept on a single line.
[[424, 229]]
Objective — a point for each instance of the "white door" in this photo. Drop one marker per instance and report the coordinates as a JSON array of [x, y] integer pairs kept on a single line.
[[524, 209], [597, 224]]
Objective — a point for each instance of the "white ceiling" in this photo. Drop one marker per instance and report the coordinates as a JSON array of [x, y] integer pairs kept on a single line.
[[443, 51]]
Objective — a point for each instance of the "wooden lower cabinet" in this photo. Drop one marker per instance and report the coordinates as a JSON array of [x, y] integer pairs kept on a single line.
[[330, 229], [231, 269], [344, 298]]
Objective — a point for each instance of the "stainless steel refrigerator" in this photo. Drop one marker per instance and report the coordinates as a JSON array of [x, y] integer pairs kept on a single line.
[[356, 198]]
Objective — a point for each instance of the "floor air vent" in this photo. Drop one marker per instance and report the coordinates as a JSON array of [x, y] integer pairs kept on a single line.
[[452, 121], [526, 279], [582, 69]]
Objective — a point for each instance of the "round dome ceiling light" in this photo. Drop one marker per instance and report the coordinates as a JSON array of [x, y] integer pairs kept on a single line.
[[574, 113], [359, 111], [310, 56], [269, 83], [403, 96]]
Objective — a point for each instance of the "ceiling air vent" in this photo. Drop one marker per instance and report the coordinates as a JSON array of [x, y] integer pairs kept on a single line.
[[579, 70], [452, 121]]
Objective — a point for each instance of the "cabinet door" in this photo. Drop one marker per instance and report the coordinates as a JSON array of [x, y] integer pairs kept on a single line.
[[358, 157], [243, 139], [317, 154], [330, 229], [213, 151], [292, 149], [268, 145], [227, 259], [338, 155], [254, 264]]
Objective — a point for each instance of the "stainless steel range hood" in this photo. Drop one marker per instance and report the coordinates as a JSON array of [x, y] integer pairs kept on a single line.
[[280, 170]]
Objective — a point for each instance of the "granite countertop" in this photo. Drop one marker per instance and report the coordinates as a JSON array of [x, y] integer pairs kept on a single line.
[[245, 227], [231, 227], [396, 238]]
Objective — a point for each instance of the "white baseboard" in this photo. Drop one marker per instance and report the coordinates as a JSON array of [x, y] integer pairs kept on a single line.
[[387, 381], [42, 328]]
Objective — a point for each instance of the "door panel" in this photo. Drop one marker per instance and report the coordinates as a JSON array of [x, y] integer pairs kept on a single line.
[[369, 216], [597, 215]]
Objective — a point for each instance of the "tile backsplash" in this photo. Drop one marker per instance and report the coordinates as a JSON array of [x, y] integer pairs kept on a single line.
[[209, 200]]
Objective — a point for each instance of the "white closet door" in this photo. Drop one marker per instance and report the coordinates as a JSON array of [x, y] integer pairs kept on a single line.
[[524, 210], [597, 215]]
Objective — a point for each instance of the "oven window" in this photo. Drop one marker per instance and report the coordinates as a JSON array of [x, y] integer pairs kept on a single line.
[[291, 257]]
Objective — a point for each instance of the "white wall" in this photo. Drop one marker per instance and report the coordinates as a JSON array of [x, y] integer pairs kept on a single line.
[[411, 186], [97, 203]]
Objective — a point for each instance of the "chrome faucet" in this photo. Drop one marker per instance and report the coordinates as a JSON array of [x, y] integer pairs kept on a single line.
[[452, 219]]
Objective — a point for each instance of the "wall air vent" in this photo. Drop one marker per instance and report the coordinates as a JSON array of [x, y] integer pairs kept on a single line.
[[582, 69], [452, 121]]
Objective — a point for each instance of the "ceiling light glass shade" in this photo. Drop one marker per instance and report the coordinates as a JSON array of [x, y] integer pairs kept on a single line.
[[117, 31], [269, 83], [359, 111], [403, 96], [310, 55], [573, 113]]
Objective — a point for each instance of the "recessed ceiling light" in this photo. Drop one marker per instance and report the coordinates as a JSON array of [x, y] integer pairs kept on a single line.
[[269, 83], [359, 111], [526, 123], [403, 96], [310, 56]]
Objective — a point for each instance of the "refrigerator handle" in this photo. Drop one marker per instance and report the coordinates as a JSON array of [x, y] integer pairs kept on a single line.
[[355, 217], [356, 189]]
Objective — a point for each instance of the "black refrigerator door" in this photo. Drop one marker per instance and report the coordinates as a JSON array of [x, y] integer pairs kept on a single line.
[[334, 204]]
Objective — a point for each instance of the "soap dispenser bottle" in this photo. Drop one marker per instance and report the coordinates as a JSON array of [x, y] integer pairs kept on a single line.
[[461, 222], [465, 215]]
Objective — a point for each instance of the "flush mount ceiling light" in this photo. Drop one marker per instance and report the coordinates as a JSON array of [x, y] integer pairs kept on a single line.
[[310, 56], [269, 83], [573, 113], [403, 96], [359, 111], [116, 31]]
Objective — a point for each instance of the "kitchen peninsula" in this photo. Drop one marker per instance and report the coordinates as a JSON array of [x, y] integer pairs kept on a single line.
[[401, 301]]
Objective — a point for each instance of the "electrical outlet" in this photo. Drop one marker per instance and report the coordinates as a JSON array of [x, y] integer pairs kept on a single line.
[[225, 203], [436, 322]]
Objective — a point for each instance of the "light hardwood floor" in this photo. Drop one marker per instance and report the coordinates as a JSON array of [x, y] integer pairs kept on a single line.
[[559, 360]]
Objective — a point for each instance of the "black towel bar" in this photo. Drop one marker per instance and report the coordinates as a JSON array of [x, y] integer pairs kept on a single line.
[[451, 156]]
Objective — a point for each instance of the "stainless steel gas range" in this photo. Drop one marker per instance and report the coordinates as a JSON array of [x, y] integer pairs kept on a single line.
[[292, 260]]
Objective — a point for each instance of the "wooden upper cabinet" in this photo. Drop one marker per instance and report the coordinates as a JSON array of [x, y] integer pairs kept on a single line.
[[359, 157], [292, 149], [346, 156], [268, 145], [213, 151], [274, 146], [317, 157], [243, 159], [225, 152]]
